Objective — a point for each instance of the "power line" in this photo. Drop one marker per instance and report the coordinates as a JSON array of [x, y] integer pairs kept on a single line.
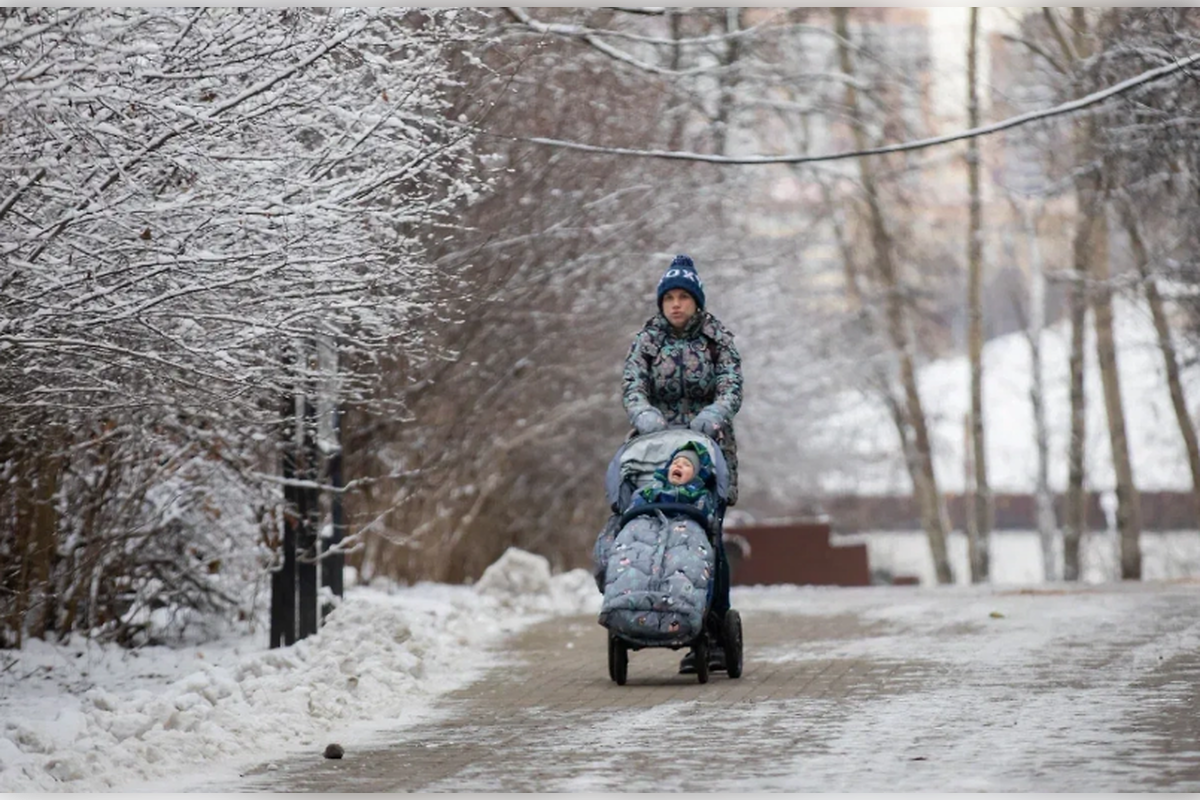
[[1021, 119]]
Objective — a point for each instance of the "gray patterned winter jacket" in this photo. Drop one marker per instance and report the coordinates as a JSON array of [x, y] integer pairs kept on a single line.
[[681, 374]]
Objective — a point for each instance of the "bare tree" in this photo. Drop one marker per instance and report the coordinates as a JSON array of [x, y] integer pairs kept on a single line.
[[1166, 343], [1087, 191], [980, 524], [1152, 181], [1093, 246], [1047, 523], [933, 515]]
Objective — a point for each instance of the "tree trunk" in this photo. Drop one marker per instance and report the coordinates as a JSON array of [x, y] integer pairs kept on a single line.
[[45, 528], [733, 23], [1076, 511], [283, 579], [933, 516], [980, 531], [24, 547], [1129, 517], [1044, 501], [1141, 259], [673, 14]]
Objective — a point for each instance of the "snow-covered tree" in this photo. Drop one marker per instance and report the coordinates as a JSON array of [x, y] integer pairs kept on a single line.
[[189, 200]]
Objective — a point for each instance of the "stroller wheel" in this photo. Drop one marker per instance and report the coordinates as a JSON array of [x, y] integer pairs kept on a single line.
[[618, 659], [702, 659], [733, 643]]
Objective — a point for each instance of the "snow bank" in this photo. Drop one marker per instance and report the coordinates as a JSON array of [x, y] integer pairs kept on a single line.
[[87, 717], [520, 579]]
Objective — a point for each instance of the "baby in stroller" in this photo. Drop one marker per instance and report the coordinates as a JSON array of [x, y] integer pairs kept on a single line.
[[656, 560], [686, 478]]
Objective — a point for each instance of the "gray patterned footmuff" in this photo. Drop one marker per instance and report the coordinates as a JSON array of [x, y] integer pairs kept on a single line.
[[658, 581]]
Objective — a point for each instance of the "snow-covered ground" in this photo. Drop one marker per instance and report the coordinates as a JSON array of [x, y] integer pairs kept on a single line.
[[1016, 556], [86, 717], [864, 428]]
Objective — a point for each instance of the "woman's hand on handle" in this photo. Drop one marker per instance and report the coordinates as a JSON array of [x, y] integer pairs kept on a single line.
[[649, 420], [709, 421]]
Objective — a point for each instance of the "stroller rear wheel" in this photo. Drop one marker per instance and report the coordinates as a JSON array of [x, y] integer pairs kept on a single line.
[[701, 649], [618, 659], [733, 643]]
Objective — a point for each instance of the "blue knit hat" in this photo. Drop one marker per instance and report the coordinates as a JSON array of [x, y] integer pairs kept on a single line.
[[681, 275]]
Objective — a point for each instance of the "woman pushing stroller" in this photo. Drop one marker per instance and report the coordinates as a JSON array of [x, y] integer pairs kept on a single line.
[[683, 370]]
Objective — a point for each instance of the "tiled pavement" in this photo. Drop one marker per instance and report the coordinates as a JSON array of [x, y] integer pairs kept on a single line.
[[547, 718]]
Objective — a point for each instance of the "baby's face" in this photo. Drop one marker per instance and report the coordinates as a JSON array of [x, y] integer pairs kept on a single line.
[[680, 471]]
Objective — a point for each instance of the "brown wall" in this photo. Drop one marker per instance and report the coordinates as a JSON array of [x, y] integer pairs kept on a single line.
[[799, 554], [851, 514]]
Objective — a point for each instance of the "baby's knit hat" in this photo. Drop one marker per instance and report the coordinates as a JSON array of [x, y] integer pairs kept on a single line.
[[690, 455]]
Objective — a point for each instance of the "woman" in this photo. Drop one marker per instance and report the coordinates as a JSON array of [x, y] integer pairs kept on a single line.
[[683, 369]]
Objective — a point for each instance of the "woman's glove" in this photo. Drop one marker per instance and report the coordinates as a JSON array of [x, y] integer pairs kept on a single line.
[[649, 420], [708, 421]]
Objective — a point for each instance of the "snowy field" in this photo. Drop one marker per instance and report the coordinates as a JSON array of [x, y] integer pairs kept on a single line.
[[85, 717]]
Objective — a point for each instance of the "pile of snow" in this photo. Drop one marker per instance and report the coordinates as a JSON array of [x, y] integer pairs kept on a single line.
[[864, 432], [523, 580], [85, 717]]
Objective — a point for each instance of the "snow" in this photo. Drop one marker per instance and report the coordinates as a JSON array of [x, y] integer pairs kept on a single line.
[[1016, 556], [85, 717], [1156, 446], [1017, 726]]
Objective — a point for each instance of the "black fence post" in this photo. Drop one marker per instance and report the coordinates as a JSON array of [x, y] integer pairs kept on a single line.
[[309, 515], [333, 564], [283, 581]]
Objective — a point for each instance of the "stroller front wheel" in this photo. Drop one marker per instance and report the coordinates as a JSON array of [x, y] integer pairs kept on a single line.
[[618, 659]]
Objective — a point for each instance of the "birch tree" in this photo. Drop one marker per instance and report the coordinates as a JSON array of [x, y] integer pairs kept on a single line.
[[980, 524]]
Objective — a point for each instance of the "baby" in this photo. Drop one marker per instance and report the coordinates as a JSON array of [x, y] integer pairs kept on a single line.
[[685, 479]]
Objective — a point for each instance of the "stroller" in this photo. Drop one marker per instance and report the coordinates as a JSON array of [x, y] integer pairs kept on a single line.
[[657, 562]]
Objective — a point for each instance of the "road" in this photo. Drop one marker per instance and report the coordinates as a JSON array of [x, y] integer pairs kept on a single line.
[[880, 689]]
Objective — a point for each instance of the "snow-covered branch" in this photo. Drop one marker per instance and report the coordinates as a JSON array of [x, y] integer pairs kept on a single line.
[[593, 39]]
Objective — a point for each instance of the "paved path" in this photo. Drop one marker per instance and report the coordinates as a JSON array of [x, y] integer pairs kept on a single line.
[[829, 702]]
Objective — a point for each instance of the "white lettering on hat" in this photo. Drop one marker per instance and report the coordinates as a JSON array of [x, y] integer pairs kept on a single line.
[[675, 272]]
